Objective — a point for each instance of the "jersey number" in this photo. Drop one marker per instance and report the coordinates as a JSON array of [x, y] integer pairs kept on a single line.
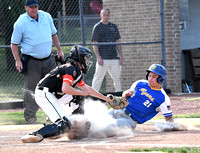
[[147, 103]]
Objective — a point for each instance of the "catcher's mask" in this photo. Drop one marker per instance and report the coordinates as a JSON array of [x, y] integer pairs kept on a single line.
[[159, 70], [82, 55]]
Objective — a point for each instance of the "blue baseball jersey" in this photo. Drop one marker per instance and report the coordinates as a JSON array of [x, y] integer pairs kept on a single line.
[[147, 102]]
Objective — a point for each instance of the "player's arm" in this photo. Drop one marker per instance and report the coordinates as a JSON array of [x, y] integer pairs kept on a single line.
[[119, 50], [92, 92], [166, 110], [15, 52], [96, 51], [68, 89]]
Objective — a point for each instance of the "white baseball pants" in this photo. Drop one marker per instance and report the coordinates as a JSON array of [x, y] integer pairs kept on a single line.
[[50, 104], [114, 69]]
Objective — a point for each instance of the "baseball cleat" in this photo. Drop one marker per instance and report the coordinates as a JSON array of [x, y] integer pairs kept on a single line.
[[32, 138]]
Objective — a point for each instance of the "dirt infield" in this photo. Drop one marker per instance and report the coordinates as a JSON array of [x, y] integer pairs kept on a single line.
[[145, 136]]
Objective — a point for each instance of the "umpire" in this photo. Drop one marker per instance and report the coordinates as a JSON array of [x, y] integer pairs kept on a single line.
[[35, 31]]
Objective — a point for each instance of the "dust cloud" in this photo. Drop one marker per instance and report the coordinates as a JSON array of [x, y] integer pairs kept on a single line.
[[173, 126], [102, 124]]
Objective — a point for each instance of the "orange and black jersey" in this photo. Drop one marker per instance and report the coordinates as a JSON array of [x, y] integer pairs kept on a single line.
[[68, 72]]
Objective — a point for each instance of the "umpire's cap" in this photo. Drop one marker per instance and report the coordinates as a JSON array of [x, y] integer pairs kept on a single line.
[[157, 69], [31, 3]]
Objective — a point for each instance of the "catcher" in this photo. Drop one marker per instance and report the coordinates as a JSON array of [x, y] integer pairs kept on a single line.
[[58, 87], [142, 101]]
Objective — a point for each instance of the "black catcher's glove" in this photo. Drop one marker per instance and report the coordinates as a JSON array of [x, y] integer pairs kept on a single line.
[[59, 60], [78, 100]]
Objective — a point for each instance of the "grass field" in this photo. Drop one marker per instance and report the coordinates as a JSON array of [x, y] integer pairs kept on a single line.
[[169, 150], [17, 117]]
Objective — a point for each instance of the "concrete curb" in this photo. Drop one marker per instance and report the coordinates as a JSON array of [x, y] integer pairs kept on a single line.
[[4, 105]]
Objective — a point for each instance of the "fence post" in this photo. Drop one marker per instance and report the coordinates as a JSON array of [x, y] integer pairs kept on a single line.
[[82, 22], [163, 61], [59, 26]]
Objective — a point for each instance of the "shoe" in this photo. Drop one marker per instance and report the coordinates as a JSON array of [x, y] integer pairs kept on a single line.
[[31, 121], [32, 138]]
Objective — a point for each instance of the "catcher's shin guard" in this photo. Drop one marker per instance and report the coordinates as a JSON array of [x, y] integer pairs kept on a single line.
[[59, 127]]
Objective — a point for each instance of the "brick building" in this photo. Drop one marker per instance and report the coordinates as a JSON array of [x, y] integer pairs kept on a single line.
[[140, 21]]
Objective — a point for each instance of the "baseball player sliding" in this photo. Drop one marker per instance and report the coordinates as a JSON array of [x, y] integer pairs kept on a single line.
[[146, 98], [140, 103], [60, 82]]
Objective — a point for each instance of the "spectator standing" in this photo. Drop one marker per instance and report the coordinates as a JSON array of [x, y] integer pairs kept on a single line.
[[34, 30], [109, 57]]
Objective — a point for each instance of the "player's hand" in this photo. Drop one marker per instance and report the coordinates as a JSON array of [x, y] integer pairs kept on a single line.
[[127, 93]]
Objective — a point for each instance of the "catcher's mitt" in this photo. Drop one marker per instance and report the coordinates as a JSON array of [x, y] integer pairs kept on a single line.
[[117, 102]]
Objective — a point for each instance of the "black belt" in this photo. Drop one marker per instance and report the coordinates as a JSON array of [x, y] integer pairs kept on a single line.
[[42, 59], [42, 88], [127, 112]]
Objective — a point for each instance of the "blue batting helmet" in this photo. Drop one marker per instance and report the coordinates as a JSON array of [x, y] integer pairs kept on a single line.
[[157, 69]]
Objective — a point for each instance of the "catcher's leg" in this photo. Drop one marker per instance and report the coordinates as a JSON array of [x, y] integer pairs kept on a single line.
[[59, 127]]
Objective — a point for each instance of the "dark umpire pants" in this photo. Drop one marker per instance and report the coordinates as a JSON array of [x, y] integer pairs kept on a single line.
[[36, 70]]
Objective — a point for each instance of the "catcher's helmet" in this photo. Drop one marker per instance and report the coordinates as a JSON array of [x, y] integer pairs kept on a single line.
[[157, 69], [79, 53]]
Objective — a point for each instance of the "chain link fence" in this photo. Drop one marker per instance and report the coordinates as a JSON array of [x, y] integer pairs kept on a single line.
[[74, 20], [66, 15]]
